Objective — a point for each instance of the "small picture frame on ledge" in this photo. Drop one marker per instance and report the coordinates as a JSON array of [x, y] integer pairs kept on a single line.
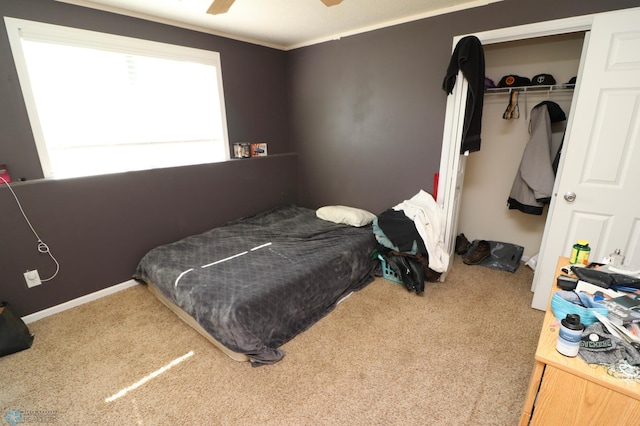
[[241, 150], [258, 149]]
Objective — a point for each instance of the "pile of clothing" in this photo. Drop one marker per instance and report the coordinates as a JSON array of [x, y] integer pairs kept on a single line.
[[411, 240]]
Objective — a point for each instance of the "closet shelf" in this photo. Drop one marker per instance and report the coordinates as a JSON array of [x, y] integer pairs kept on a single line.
[[537, 88]]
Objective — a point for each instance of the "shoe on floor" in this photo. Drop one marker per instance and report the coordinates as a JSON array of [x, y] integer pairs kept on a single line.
[[477, 253], [462, 244]]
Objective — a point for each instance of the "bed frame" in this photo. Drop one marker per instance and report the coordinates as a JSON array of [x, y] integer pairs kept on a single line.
[[194, 324]]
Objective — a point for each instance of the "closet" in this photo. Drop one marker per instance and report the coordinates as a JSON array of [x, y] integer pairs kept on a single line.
[[490, 172], [595, 194]]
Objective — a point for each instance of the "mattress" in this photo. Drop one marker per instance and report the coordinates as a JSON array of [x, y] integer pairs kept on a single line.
[[255, 283]]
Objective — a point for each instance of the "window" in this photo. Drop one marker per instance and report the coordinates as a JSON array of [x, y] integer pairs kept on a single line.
[[100, 103]]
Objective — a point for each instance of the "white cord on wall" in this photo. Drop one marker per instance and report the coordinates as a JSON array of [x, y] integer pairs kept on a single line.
[[42, 247]]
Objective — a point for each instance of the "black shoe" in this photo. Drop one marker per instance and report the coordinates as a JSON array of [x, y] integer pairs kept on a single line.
[[462, 244], [477, 254]]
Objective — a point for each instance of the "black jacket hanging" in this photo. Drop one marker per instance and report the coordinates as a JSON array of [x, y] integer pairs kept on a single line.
[[468, 57]]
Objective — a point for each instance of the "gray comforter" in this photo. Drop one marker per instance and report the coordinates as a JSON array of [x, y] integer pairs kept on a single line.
[[257, 282]]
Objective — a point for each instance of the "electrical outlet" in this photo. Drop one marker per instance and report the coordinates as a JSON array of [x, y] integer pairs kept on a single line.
[[32, 278]]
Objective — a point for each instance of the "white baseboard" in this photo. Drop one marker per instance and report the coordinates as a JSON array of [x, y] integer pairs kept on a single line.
[[79, 301]]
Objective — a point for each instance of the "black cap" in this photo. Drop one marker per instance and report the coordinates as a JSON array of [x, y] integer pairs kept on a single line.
[[543, 80], [513, 80], [572, 322]]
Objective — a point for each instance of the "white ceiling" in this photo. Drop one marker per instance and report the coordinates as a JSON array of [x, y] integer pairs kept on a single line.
[[283, 24]]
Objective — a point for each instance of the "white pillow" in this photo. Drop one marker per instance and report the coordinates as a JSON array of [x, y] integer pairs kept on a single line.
[[346, 215]]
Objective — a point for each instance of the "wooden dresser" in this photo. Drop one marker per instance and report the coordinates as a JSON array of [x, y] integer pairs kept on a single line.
[[568, 391]]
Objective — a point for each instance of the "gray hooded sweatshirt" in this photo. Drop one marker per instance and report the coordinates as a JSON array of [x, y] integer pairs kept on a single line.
[[533, 184]]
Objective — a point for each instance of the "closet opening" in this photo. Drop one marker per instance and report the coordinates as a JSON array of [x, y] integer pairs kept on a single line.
[[490, 173], [595, 171]]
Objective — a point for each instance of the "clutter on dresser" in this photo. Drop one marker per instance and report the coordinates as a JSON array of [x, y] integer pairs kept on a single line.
[[600, 386], [608, 304]]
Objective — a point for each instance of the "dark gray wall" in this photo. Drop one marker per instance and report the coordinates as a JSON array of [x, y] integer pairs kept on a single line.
[[99, 227], [368, 110]]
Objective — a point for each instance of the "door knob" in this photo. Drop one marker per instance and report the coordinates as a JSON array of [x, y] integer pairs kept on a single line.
[[570, 196]]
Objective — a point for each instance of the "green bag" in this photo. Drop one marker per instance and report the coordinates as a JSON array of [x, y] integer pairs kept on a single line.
[[14, 334]]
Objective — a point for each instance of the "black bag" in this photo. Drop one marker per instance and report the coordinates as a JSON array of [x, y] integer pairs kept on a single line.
[[410, 271], [605, 279], [14, 334]]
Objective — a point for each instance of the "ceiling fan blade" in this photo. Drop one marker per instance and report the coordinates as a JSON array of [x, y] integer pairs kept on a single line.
[[331, 2], [219, 6]]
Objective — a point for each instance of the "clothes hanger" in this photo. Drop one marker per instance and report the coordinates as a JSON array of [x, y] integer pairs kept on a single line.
[[513, 110]]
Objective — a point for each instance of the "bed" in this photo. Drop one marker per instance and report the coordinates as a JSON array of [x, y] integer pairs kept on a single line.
[[253, 284]]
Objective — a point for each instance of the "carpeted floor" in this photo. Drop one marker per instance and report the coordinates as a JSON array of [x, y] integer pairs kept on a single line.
[[460, 354]]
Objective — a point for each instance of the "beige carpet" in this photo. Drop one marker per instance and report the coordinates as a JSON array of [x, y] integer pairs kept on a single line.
[[460, 354]]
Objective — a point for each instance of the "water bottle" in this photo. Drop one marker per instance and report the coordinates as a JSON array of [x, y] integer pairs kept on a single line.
[[569, 336]]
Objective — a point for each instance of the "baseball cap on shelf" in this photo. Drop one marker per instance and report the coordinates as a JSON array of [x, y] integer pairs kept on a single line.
[[572, 80], [513, 80], [543, 80], [488, 83]]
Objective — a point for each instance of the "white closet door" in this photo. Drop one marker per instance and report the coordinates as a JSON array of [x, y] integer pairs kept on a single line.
[[452, 166], [602, 154]]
